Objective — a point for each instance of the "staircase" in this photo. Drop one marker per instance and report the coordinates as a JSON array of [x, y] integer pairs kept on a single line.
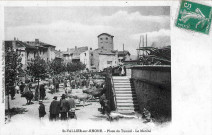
[[125, 95]]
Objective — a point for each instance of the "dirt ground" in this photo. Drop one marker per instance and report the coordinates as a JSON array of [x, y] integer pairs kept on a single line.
[[88, 118], [89, 111]]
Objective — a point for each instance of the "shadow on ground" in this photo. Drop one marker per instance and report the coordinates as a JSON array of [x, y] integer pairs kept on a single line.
[[14, 111], [99, 117]]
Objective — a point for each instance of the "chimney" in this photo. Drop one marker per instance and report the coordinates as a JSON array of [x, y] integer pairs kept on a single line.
[[123, 47], [14, 38], [36, 40], [75, 47]]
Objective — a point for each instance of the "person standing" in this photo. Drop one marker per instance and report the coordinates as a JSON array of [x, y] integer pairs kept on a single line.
[[30, 85], [42, 91], [65, 84], [64, 107], [54, 109], [17, 88], [12, 89], [72, 107], [41, 109], [57, 82], [22, 86], [122, 71]]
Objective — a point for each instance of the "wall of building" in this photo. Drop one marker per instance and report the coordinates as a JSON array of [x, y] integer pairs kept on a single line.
[[51, 53], [43, 53], [105, 42], [107, 61], [96, 59], [85, 59], [153, 89]]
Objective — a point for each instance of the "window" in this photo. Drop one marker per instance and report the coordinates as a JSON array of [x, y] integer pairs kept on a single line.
[[85, 54], [109, 62], [100, 38], [106, 38]]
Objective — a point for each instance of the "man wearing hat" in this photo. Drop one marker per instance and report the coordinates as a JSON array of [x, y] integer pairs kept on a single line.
[[54, 109], [72, 107], [41, 109], [64, 107]]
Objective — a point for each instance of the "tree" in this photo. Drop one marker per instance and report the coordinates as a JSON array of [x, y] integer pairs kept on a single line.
[[37, 68], [56, 66], [12, 68], [75, 66]]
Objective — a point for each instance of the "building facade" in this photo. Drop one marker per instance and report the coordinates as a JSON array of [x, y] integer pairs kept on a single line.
[[87, 59], [105, 41], [122, 56], [104, 58], [45, 51], [73, 54]]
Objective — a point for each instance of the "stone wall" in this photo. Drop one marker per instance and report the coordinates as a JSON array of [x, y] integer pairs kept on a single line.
[[105, 42], [153, 89]]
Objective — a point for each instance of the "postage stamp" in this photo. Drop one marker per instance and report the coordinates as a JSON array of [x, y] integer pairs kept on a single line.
[[194, 16]]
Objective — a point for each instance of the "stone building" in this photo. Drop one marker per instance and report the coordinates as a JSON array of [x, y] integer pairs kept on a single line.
[[73, 54], [123, 55], [105, 55], [44, 50], [26, 52], [29, 50], [87, 58], [105, 41], [103, 58]]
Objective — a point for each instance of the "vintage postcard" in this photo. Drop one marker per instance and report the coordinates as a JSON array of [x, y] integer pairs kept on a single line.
[[117, 67]]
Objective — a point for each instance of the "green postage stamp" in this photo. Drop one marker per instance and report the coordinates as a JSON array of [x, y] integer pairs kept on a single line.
[[194, 16]]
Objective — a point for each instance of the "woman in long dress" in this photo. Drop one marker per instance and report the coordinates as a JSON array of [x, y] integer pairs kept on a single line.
[[122, 71]]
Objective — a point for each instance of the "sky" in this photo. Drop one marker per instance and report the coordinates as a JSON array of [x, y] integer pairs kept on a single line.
[[67, 27]]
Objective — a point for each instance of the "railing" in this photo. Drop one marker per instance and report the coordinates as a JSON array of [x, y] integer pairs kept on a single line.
[[114, 94], [110, 94]]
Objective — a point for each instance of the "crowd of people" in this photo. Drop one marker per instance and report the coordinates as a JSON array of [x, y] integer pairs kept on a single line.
[[63, 109], [59, 109]]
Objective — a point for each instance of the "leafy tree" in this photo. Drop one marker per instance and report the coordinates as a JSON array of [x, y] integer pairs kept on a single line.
[[13, 67], [75, 66], [37, 68], [56, 66]]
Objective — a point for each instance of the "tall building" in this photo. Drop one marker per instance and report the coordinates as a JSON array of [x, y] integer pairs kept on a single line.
[[105, 55], [105, 41]]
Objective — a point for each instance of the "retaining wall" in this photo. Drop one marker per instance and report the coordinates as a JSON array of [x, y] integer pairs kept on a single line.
[[153, 89]]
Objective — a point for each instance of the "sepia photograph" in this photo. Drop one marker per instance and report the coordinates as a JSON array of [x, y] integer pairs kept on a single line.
[[107, 64]]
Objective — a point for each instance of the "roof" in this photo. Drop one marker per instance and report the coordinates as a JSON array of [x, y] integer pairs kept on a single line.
[[76, 51], [105, 34], [105, 52], [123, 53], [20, 44], [39, 44], [58, 54]]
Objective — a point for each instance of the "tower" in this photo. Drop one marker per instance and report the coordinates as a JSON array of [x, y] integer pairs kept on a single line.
[[105, 41]]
